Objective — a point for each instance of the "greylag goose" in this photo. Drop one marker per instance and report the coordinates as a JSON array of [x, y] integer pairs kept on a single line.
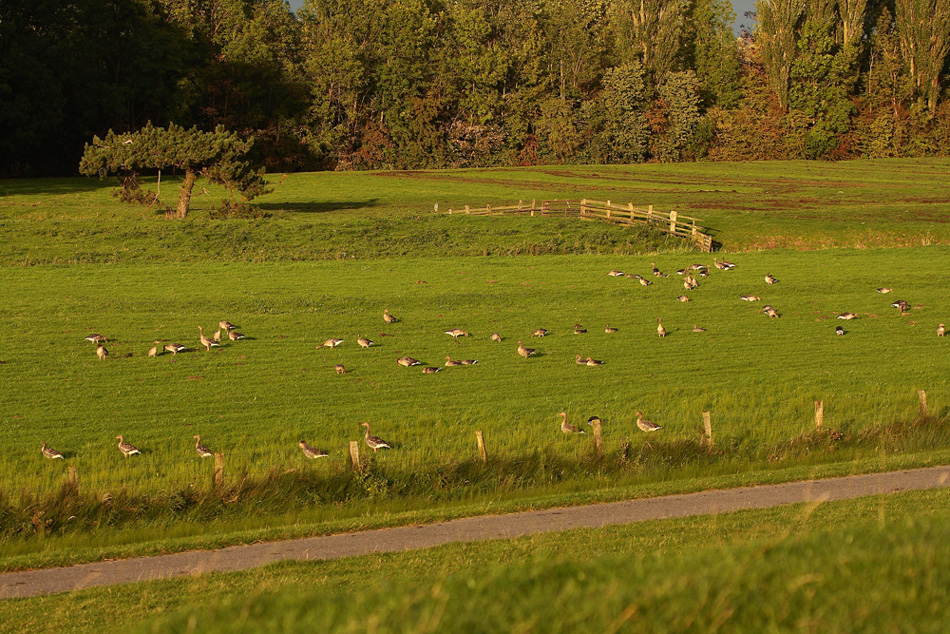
[[468, 361], [201, 450], [217, 335], [389, 319], [750, 298], [941, 330], [374, 442], [96, 338], [884, 290], [101, 351], [330, 343], [580, 360], [153, 351], [310, 452], [430, 370], [224, 324], [540, 332], [340, 368], [525, 352], [578, 330], [771, 312], [175, 348], [644, 281], [449, 363], [364, 342], [455, 333], [901, 305], [682, 298], [207, 343], [847, 316], [566, 427], [495, 336], [408, 361], [646, 425], [615, 273], [234, 335], [769, 279], [698, 329], [660, 330], [839, 330], [610, 329], [593, 362], [127, 449], [49, 452]]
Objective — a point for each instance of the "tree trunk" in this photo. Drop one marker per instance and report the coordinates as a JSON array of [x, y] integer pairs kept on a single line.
[[184, 194]]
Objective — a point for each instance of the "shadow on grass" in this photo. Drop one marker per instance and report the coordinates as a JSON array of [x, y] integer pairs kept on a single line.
[[53, 186], [316, 207]]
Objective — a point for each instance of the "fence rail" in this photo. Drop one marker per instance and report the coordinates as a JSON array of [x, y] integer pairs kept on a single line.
[[669, 221]]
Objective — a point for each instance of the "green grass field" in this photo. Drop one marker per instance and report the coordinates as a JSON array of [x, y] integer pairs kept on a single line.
[[873, 564], [334, 250]]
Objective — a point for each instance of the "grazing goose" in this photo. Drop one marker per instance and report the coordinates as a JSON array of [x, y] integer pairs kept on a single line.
[[224, 324], [646, 425], [729, 265], [941, 330], [566, 427], [408, 361], [580, 360], [750, 298], [449, 363], [153, 351], [127, 449], [495, 336], [101, 352], [769, 279], [634, 276], [682, 298], [389, 319], [375, 442], [768, 310], [901, 305], [660, 330], [610, 329], [848, 316], [96, 338], [593, 362], [49, 452], [207, 343], [525, 352], [681, 271], [310, 452], [839, 330], [455, 333], [364, 342], [340, 369], [698, 329], [469, 361], [201, 450], [540, 332], [689, 284], [697, 267], [175, 348], [234, 335], [330, 343], [884, 290], [615, 273], [217, 334], [578, 330], [430, 370], [645, 282]]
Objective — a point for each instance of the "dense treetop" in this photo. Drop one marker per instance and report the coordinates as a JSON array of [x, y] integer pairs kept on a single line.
[[349, 84]]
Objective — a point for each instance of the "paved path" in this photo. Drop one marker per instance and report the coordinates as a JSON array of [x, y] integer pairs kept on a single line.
[[47, 581]]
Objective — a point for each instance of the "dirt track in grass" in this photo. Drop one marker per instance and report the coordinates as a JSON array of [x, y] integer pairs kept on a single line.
[[48, 581]]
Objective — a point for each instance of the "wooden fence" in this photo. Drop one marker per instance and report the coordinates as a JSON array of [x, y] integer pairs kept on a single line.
[[669, 221]]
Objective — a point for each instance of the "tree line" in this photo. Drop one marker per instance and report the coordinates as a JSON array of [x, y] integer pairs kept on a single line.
[[352, 84]]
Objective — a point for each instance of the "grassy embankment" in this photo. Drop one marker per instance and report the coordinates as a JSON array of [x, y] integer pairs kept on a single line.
[[873, 564]]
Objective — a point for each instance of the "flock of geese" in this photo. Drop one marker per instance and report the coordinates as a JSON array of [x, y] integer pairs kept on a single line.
[[376, 443]]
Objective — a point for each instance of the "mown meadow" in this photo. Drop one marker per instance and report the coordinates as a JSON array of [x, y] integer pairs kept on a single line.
[[332, 251]]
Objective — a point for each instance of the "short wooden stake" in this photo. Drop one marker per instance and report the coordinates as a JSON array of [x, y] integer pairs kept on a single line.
[[598, 437], [72, 478], [467, 210], [819, 414], [707, 427], [922, 394], [482, 450], [218, 469], [355, 456]]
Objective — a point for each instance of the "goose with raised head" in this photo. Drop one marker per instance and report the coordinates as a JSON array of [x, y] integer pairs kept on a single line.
[[525, 352], [698, 329], [201, 450], [207, 343], [656, 271], [389, 319], [127, 449], [610, 329], [495, 336], [769, 279], [217, 335], [101, 351], [224, 324], [330, 343], [660, 330], [407, 362], [311, 452], [644, 281], [175, 348], [579, 330], [941, 330], [646, 425], [540, 332], [49, 452], [566, 427], [591, 362], [364, 342], [450, 363], [579, 360], [153, 351], [455, 333], [374, 442]]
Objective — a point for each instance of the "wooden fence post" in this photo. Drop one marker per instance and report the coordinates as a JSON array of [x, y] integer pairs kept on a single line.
[[707, 428], [672, 222], [819, 414], [598, 437], [355, 456], [218, 469], [467, 210], [482, 450], [922, 394], [72, 478]]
